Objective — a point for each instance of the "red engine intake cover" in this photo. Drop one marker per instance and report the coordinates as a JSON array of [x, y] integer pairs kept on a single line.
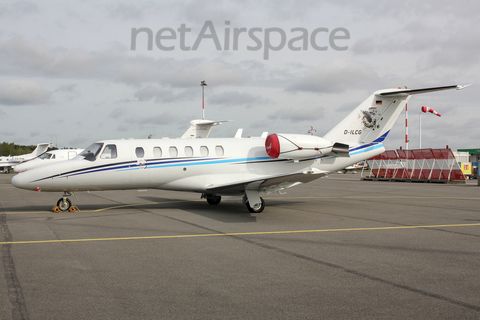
[[272, 146]]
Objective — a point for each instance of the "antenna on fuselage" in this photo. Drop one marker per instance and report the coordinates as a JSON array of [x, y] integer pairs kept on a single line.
[[203, 85]]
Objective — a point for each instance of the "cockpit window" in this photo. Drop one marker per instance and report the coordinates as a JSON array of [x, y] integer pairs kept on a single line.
[[46, 155], [110, 152], [91, 152]]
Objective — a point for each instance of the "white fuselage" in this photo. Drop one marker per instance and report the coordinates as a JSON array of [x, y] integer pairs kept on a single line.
[[195, 165], [48, 158]]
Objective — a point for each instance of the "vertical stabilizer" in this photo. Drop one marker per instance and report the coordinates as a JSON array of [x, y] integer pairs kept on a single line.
[[40, 149], [200, 129], [373, 119]]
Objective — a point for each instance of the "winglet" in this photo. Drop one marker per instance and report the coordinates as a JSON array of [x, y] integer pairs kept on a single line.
[[460, 87]]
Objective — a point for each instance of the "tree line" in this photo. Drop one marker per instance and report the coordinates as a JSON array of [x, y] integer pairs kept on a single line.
[[11, 149]]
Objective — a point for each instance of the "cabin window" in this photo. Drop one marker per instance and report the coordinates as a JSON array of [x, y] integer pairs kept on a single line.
[[91, 152], [157, 152], [189, 151], [110, 152], [173, 152], [139, 152], [219, 151], [204, 151]]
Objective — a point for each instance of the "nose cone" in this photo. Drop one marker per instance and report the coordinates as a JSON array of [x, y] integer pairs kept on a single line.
[[23, 181], [22, 167], [50, 177]]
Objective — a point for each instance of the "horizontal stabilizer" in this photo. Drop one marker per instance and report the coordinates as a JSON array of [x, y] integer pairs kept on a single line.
[[424, 90]]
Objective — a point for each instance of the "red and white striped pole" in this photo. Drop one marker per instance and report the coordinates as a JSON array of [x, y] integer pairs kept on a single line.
[[406, 126], [425, 110]]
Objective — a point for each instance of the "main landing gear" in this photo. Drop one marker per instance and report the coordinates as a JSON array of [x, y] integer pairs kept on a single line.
[[211, 198], [256, 208], [249, 197]]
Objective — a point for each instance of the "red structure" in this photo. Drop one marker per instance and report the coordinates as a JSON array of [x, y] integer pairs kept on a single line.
[[422, 165]]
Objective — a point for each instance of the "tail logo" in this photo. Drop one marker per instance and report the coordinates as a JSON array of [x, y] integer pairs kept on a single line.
[[367, 119]]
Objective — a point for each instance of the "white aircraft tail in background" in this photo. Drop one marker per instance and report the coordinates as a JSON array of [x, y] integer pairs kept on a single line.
[[214, 167], [200, 128], [6, 163]]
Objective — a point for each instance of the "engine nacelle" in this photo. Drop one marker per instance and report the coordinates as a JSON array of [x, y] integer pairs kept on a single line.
[[300, 146]]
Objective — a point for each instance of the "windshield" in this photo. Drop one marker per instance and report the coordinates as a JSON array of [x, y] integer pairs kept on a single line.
[[46, 155], [91, 152]]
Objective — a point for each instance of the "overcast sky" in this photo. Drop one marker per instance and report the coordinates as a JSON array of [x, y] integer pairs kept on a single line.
[[69, 74]]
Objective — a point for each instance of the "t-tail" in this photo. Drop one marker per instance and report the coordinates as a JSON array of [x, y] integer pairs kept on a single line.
[[357, 137], [372, 120]]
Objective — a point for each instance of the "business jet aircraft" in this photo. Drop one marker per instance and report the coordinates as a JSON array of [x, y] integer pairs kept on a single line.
[[356, 166], [6, 163], [48, 157], [213, 167]]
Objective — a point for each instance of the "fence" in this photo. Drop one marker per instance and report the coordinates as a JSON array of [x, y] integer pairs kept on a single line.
[[424, 165]]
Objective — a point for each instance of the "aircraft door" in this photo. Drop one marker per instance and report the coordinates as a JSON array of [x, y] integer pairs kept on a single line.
[[139, 175]]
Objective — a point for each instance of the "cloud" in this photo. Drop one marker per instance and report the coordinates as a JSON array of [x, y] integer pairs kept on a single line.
[[124, 11], [364, 46], [199, 11], [335, 77], [214, 72], [18, 8], [148, 122], [66, 88], [236, 98], [20, 92], [297, 115], [160, 94], [21, 57], [117, 113]]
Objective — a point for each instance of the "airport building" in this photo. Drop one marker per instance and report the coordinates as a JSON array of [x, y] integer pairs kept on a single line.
[[469, 159]]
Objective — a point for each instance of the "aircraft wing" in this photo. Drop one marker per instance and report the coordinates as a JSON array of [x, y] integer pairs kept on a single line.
[[8, 163], [269, 184]]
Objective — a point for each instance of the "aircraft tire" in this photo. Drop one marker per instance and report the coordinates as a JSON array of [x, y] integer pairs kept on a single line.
[[214, 200], [64, 206], [257, 210]]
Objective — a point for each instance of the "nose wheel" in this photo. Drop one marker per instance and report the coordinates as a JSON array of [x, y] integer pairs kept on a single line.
[[64, 204]]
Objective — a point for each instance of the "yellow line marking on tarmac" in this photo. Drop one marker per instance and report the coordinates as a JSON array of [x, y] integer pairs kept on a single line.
[[242, 234], [275, 198]]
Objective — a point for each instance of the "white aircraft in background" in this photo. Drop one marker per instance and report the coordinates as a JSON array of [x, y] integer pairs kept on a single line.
[[213, 167], [357, 166], [48, 157], [6, 163]]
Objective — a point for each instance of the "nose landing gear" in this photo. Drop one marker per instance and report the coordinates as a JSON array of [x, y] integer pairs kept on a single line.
[[64, 204]]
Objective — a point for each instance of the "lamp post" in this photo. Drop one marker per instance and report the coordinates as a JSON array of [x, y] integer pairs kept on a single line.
[[203, 84], [425, 110]]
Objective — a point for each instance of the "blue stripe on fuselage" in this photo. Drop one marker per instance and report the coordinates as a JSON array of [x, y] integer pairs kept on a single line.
[[134, 165]]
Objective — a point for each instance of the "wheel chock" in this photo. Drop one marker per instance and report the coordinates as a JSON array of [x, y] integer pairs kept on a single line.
[[73, 209], [56, 209]]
